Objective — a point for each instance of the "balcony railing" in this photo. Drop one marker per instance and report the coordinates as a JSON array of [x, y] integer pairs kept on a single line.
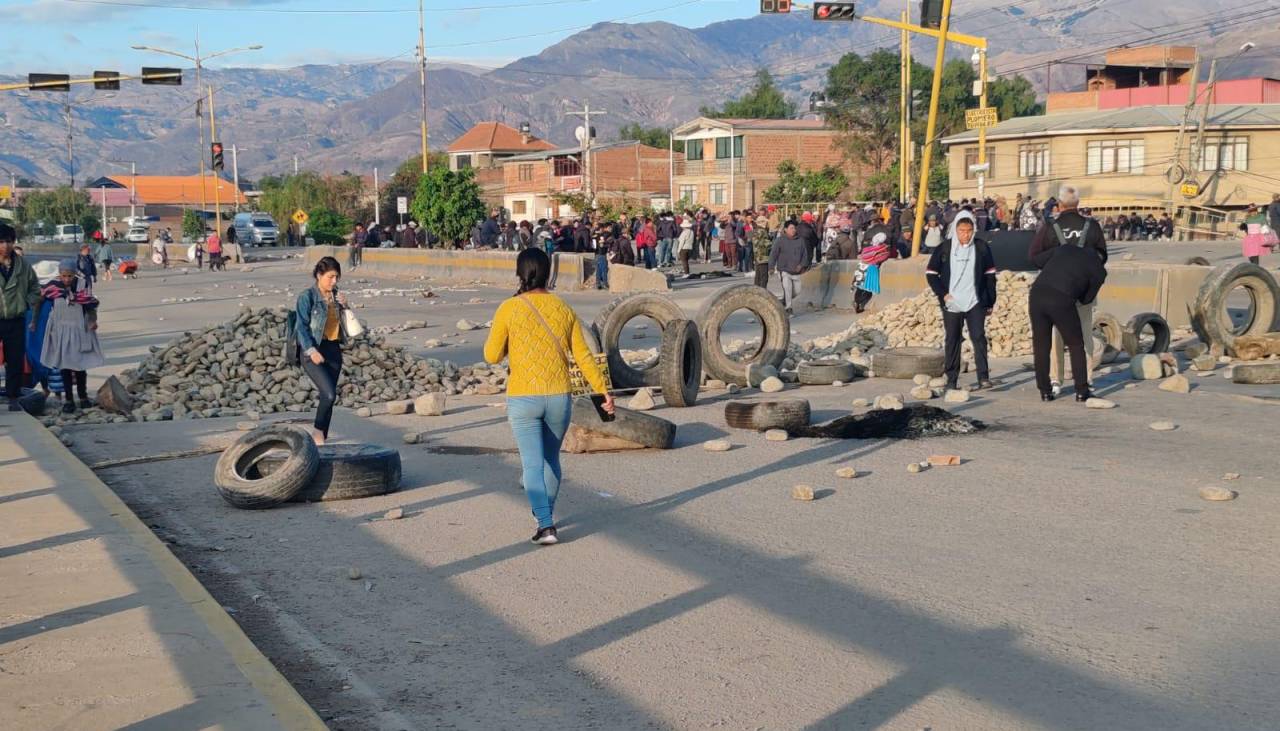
[[710, 167]]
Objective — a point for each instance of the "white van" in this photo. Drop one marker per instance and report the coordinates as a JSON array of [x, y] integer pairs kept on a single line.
[[68, 233], [256, 229]]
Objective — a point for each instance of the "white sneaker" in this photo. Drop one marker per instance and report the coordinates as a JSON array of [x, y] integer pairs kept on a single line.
[[1056, 388]]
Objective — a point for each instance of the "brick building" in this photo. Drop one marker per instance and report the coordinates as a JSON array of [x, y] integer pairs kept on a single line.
[[485, 147], [619, 171], [730, 163]]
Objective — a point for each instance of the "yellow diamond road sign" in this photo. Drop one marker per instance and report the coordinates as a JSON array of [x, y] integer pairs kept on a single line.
[[5, 193], [980, 118], [1190, 190], [300, 217]]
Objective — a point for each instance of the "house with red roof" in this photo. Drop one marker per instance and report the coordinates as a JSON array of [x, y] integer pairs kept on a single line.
[[485, 146]]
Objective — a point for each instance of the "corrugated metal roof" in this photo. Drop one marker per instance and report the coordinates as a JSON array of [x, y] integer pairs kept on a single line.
[[181, 189], [1118, 120]]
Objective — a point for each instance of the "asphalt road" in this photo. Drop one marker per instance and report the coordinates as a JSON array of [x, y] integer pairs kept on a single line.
[[1066, 576]]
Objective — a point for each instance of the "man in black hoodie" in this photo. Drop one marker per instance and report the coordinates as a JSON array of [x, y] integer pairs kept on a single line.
[[1069, 276], [962, 272]]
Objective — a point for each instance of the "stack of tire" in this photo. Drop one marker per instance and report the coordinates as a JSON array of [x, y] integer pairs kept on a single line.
[[1210, 317], [683, 356], [279, 463]]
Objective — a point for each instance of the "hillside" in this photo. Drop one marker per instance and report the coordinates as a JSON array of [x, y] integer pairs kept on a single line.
[[358, 116]]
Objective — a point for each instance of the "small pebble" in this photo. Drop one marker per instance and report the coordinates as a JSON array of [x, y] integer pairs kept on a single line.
[[1217, 494], [354, 574], [1231, 476], [776, 435], [717, 445], [846, 473], [803, 493], [393, 514], [1163, 426], [914, 468], [412, 438], [861, 403]]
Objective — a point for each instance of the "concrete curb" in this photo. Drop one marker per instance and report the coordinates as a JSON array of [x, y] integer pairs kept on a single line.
[[292, 711]]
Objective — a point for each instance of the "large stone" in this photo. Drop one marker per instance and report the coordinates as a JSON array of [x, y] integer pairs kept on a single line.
[[922, 379], [1163, 426], [1217, 494], [803, 493], [396, 408], [113, 397], [1146, 367], [922, 393], [776, 435], [1176, 384], [1100, 403], [717, 445], [890, 402], [757, 373], [642, 401], [581, 441], [846, 473], [430, 404], [1204, 363], [773, 384], [956, 396]]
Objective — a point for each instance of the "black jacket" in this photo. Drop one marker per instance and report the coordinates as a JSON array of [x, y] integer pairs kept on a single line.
[[984, 272], [1071, 271], [1077, 229]]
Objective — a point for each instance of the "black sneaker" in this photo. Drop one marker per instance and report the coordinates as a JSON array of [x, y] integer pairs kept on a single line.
[[69, 407], [1047, 396], [546, 537], [1083, 396]]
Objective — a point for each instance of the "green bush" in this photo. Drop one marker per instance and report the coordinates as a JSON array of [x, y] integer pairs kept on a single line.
[[328, 227]]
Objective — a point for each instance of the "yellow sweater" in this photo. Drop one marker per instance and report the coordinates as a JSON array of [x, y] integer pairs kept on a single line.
[[537, 368]]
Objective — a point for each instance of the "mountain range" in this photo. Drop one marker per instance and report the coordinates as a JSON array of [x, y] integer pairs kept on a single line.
[[358, 116]]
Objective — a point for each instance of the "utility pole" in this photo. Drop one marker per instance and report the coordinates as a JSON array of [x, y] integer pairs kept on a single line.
[[982, 131], [904, 122], [235, 175], [588, 183], [1177, 172], [909, 146], [926, 160], [295, 164], [1197, 153], [71, 160], [422, 74], [103, 227], [377, 208], [217, 195]]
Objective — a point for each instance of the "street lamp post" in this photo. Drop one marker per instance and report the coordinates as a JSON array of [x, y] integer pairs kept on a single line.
[[133, 186], [199, 61]]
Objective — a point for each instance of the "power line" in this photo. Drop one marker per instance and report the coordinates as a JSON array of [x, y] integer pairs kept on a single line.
[[320, 11]]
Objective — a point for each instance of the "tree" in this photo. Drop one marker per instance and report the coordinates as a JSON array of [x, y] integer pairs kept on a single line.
[[651, 136], [328, 227], [448, 204], [42, 210], [809, 186], [405, 183], [764, 101], [1014, 97], [89, 223], [865, 94], [881, 186], [192, 224]]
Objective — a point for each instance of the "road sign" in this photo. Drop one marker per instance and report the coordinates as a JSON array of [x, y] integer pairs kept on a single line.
[[834, 11], [981, 118], [1190, 190], [300, 217], [402, 205], [5, 192], [571, 184], [768, 7]]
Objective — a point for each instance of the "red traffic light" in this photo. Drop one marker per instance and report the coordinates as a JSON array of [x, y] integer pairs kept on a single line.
[[834, 11]]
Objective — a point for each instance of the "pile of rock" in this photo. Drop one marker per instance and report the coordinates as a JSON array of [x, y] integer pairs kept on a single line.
[[238, 368]]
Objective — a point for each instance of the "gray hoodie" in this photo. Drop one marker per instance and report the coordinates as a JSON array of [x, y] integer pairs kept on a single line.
[[789, 254]]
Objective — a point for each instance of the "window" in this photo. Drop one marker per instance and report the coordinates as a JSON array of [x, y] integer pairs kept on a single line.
[[1229, 153], [525, 173], [1033, 160], [693, 150], [719, 195], [567, 166], [689, 193], [722, 147], [519, 208], [462, 162], [1127, 157], [971, 159]]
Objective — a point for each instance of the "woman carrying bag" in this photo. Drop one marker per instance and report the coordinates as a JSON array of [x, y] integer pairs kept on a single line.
[[536, 331], [322, 324]]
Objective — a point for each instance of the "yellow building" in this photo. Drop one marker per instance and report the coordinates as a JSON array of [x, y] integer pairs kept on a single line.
[[1120, 158]]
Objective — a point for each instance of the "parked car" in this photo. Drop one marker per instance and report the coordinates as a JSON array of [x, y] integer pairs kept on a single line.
[[138, 235], [256, 229], [68, 233]]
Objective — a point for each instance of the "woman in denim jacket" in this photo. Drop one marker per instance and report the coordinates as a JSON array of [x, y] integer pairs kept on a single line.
[[320, 336]]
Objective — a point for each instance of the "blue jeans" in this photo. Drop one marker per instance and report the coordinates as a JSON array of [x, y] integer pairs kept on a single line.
[[664, 252], [602, 272], [646, 254], [539, 424]]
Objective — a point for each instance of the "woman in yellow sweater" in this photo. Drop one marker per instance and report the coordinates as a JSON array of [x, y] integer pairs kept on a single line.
[[536, 331]]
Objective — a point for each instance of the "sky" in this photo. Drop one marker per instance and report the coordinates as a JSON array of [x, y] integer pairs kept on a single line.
[[80, 36]]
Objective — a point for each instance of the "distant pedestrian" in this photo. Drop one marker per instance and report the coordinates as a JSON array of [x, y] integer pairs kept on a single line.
[[762, 248], [319, 333], [866, 278], [356, 247], [808, 233], [603, 241], [216, 262], [646, 241], [70, 343], [106, 257], [490, 230], [790, 258], [87, 268], [19, 295], [541, 337], [1273, 213], [1259, 238], [685, 243]]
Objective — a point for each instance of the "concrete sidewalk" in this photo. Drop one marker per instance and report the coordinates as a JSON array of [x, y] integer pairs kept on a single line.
[[101, 627]]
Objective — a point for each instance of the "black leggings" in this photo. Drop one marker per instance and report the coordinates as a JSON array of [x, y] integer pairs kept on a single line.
[[325, 376], [81, 380], [1050, 309], [13, 334]]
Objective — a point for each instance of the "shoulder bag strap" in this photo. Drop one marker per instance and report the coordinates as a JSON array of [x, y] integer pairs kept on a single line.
[[568, 362]]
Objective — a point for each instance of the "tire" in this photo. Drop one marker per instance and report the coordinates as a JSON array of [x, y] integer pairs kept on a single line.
[[346, 472], [767, 309], [907, 363], [232, 473], [680, 364], [765, 415], [1209, 310], [644, 429], [1198, 261], [1140, 322], [1256, 373], [1110, 328], [32, 401], [615, 316], [826, 372], [592, 335]]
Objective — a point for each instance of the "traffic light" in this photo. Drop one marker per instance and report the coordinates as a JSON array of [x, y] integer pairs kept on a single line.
[[834, 11], [770, 7], [49, 82], [931, 13], [107, 80], [167, 76], [216, 148]]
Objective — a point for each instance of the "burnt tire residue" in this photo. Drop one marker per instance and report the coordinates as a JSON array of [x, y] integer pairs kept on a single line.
[[470, 451], [914, 422]]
